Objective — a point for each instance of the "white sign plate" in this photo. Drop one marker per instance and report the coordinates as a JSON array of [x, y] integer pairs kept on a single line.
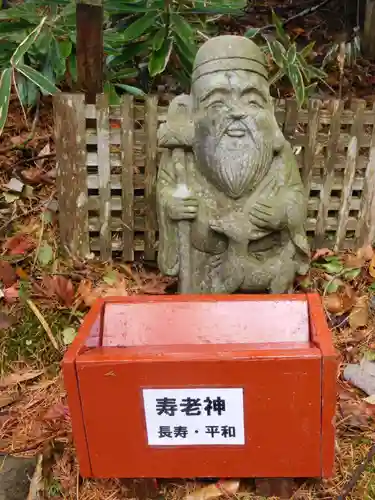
[[176, 417]]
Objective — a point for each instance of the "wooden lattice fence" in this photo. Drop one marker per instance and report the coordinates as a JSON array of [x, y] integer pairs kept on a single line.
[[107, 165]]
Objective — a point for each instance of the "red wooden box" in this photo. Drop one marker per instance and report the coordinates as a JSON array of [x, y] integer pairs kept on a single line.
[[203, 386]]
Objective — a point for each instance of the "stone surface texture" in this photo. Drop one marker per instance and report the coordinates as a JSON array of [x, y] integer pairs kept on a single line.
[[15, 476], [230, 200]]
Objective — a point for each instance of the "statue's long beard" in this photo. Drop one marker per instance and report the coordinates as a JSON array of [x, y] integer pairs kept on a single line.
[[234, 165]]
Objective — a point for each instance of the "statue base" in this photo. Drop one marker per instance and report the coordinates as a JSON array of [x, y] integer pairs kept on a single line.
[[203, 386]]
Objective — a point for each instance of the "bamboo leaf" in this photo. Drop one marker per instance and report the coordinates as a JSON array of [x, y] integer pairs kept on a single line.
[[296, 79], [113, 97], [252, 32], [65, 48], [182, 27], [40, 80], [280, 28], [159, 38], [139, 27], [277, 52], [306, 50], [5, 87], [26, 44], [159, 59], [291, 54], [131, 90]]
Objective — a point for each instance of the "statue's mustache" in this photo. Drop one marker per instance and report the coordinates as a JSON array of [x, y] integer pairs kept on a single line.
[[240, 123]]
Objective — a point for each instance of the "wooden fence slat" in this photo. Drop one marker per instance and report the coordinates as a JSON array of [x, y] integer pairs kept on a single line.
[[350, 169], [70, 133], [104, 172], [365, 232], [325, 192], [346, 193], [311, 142], [151, 120], [127, 183]]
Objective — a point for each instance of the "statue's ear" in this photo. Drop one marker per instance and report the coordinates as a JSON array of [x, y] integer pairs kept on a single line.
[[178, 129]]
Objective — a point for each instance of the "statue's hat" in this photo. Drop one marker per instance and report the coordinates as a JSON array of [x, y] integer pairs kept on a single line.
[[229, 52]]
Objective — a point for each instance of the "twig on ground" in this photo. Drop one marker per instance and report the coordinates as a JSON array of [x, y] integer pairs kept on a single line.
[[357, 474], [30, 211], [43, 322]]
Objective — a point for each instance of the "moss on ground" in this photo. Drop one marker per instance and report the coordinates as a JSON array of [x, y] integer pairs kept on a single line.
[[26, 340]]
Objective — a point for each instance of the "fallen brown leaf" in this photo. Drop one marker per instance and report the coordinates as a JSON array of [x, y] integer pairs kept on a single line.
[[19, 244], [366, 253], [64, 289], [222, 488], [33, 175], [322, 252], [371, 268], [88, 293], [353, 261], [11, 294], [358, 317], [356, 413], [340, 302], [8, 275], [56, 412], [17, 378]]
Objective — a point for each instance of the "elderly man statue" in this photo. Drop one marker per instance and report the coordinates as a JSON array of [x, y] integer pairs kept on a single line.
[[231, 204]]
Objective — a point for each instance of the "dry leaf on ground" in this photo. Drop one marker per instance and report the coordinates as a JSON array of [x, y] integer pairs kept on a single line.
[[355, 413], [17, 378], [19, 244], [11, 294], [56, 412], [353, 261], [358, 317], [340, 302], [37, 481], [371, 268], [366, 253], [64, 289], [8, 275], [88, 293], [222, 488], [322, 252]]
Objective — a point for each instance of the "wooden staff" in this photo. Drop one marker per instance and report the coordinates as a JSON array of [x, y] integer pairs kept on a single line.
[[184, 228]]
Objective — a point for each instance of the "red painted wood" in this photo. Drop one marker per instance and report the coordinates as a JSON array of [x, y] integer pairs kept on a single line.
[[288, 406], [282, 410], [72, 386], [323, 339], [209, 322]]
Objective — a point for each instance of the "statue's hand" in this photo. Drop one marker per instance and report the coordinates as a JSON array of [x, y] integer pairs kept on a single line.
[[265, 215], [182, 208]]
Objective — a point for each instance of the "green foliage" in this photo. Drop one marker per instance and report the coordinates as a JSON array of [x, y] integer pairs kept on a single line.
[[37, 40], [288, 61], [160, 35]]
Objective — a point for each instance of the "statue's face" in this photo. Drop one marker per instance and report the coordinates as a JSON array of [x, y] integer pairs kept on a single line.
[[234, 129]]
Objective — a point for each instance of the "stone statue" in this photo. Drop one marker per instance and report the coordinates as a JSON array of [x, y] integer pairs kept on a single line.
[[230, 201]]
